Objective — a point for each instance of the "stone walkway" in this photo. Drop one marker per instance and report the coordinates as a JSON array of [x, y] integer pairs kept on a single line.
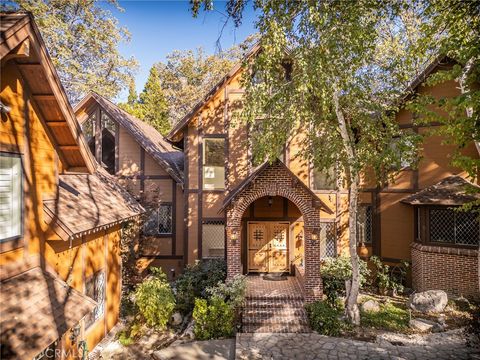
[[313, 346]]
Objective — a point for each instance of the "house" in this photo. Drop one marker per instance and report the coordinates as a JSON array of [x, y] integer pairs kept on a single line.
[[61, 217], [285, 216], [150, 168]]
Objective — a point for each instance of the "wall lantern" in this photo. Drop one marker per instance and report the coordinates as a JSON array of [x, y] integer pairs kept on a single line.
[[234, 235], [314, 236]]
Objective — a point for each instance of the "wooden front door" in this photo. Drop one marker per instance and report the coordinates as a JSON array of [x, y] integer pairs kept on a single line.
[[268, 247]]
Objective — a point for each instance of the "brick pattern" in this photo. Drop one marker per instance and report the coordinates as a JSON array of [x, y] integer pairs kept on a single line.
[[277, 180], [274, 307], [454, 270]]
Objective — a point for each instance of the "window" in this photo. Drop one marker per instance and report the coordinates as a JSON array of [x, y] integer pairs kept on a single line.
[[324, 180], [159, 221], [405, 152], [454, 227], [88, 128], [11, 196], [328, 240], [365, 224], [213, 164], [95, 289], [213, 239]]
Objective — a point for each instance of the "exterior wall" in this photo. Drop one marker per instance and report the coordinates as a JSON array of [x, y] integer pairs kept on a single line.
[[23, 132], [453, 270]]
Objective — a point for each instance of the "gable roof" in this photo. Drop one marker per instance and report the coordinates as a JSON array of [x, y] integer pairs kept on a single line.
[[147, 136], [88, 202], [20, 41], [37, 308], [256, 173], [451, 191], [214, 90]]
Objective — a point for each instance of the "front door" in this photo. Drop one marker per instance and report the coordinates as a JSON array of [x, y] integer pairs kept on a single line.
[[267, 247]]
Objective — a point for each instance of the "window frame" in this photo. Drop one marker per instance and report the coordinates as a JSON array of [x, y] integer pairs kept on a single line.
[[422, 228], [3, 242], [170, 206], [89, 323], [218, 222], [156, 210], [335, 238], [213, 137], [368, 207], [325, 190]]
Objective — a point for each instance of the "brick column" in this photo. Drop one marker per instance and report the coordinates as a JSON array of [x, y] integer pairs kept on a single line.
[[234, 261], [313, 280]]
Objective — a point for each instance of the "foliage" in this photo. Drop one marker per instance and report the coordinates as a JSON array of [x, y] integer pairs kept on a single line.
[[127, 336], [82, 39], [390, 318], [472, 330], [385, 280], [196, 279], [335, 271], [154, 299], [128, 242], [232, 291], [214, 318], [325, 319]]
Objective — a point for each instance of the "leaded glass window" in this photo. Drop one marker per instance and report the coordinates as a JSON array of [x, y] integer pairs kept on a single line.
[[213, 239], [454, 227]]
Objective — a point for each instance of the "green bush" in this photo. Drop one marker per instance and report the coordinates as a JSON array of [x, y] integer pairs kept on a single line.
[[325, 319], [195, 280], [335, 271], [232, 291], [214, 318], [154, 299], [390, 317], [385, 279]]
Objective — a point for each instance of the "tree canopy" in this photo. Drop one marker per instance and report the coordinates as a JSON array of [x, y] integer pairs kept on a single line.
[[82, 39]]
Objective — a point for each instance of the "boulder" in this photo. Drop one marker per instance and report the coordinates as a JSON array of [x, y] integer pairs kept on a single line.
[[371, 305], [428, 301], [422, 324], [176, 319]]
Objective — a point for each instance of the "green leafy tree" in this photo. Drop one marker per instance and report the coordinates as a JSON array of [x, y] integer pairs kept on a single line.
[[337, 88], [82, 39]]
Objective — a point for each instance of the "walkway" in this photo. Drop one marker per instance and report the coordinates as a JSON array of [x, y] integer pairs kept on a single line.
[[314, 346], [274, 306]]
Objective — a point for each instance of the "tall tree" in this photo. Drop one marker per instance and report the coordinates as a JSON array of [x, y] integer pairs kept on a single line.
[[82, 39], [339, 89]]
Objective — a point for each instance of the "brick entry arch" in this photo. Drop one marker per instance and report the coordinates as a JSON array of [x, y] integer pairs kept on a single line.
[[276, 180]]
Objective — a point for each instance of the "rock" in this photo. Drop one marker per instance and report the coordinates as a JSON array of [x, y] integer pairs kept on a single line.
[[188, 333], [371, 305], [422, 324], [176, 319], [428, 301]]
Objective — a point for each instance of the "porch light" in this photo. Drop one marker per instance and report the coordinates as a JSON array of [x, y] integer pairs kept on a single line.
[[270, 201], [314, 236], [234, 236]]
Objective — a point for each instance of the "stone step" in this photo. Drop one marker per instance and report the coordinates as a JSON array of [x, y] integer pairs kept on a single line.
[[259, 303], [269, 312], [282, 320], [282, 297], [276, 328]]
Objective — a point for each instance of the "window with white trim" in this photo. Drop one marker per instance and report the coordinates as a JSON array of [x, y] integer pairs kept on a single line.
[[213, 239], [11, 196], [95, 289], [213, 163]]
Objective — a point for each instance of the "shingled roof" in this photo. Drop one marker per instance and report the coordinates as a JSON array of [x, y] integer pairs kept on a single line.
[[146, 135], [451, 191], [88, 203], [37, 308]]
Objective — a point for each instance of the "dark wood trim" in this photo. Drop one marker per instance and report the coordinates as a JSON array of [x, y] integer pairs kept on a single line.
[[146, 177], [213, 136], [160, 236], [193, 191], [207, 219], [185, 197], [162, 257], [174, 217], [98, 135], [117, 147], [214, 190], [377, 224], [142, 170], [200, 192], [244, 248]]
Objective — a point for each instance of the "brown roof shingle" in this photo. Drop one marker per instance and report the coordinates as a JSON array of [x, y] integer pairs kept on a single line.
[[451, 191], [89, 202], [37, 308]]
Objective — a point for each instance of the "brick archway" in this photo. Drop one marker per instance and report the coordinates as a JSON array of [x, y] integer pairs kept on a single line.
[[276, 180]]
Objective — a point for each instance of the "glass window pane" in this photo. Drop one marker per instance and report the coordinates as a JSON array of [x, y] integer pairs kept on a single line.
[[213, 240], [95, 289], [467, 228], [365, 224], [88, 127], [150, 226], [214, 164], [328, 240], [442, 226], [165, 219], [324, 180], [107, 122], [10, 196]]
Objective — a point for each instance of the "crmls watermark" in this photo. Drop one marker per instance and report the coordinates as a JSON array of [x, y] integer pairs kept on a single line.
[[51, 353]]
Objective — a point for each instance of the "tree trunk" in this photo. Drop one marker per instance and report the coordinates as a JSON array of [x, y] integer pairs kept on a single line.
[[351, 307]]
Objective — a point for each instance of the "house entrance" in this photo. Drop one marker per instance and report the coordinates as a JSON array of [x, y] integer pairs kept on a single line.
[[268, 246]]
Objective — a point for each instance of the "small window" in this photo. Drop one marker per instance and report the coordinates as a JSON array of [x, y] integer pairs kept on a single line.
[[454, 227], [404, 153], [88, 128], [95, 289], [107, 122], [11, 196], [324, 180], [364, 224], [213, 239], [158, 221], [328, 240], [213, 164]]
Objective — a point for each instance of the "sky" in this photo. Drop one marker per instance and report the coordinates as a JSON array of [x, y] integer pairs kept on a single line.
[[159, 27]]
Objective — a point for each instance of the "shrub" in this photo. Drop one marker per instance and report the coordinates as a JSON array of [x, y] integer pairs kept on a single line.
[[335, 271], [214, 318], [390, 317], [325, 319], [385, 279], [232, 292], [195, 280], [155, 299]]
